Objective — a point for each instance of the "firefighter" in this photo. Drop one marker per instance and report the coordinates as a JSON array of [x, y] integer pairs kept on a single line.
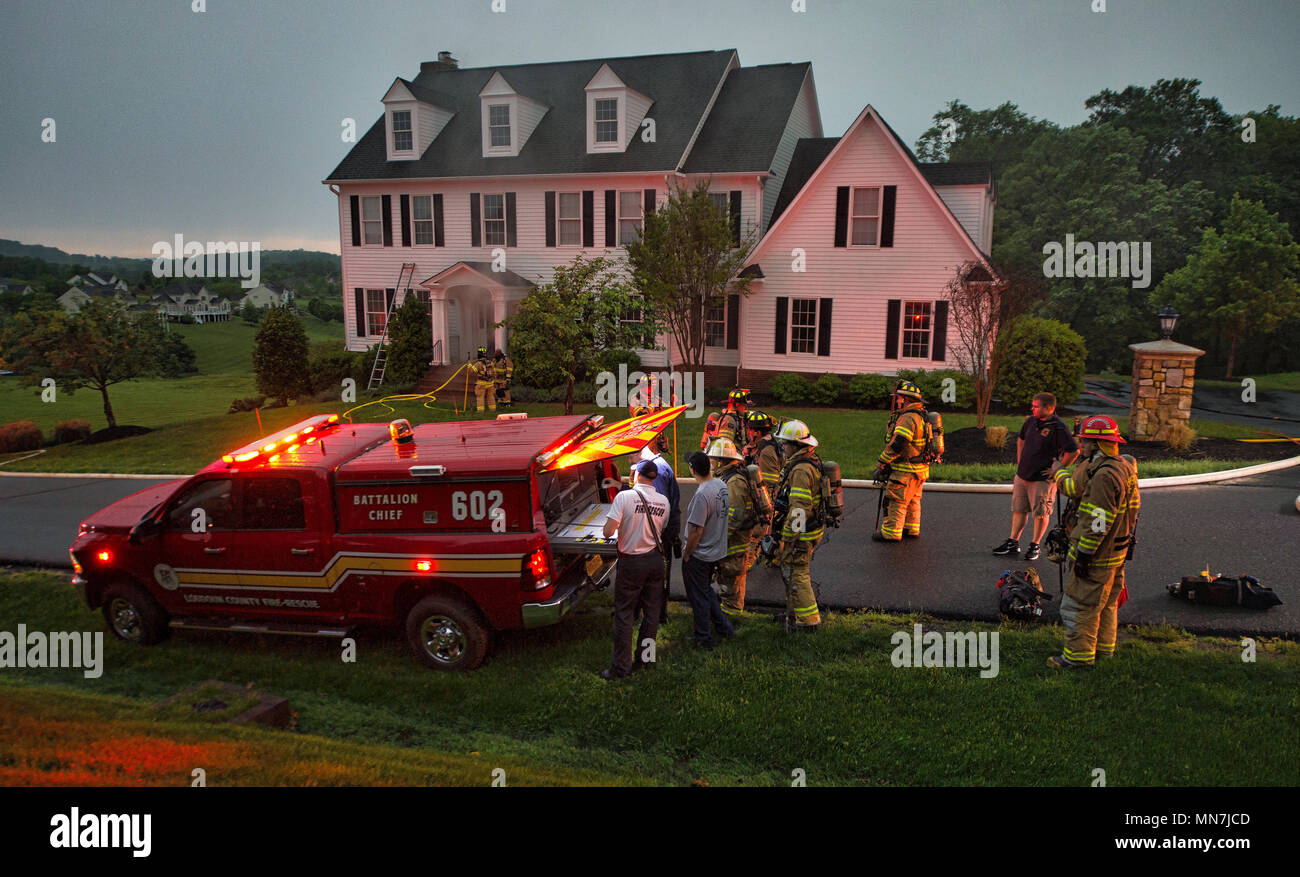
[[763, 450], [732, 424], [903, 480], [743, 526], [484, 381], [798, 502], [503, 371], [1106, 489]]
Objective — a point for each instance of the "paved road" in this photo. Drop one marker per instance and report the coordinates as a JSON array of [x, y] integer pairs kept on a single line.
[[1272, 411], [1248, 525]]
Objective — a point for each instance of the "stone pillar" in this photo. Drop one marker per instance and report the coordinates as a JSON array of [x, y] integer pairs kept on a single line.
[[1163, 375]]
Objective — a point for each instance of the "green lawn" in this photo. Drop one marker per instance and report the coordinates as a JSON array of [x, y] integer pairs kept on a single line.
[[749, 713]]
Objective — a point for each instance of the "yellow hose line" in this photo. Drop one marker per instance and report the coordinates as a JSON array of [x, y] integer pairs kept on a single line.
[[406, 397]]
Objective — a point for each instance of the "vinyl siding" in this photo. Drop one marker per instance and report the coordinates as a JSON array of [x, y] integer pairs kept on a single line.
[[967, 204], [530, 113], [804, 122], [636, 107]]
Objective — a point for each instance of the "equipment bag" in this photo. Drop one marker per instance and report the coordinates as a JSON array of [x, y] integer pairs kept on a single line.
[[1223, 591], [1020, 594]]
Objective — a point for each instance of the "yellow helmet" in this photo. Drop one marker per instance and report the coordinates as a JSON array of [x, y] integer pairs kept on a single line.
[[796, 431], [723, 449]]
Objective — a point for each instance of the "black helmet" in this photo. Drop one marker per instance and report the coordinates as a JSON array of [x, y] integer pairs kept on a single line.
[[482, 353]]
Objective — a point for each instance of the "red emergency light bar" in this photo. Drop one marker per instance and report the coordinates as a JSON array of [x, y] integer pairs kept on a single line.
[[593, 423], [286, 440]]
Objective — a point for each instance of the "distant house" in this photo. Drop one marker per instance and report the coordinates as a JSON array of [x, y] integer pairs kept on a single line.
[[74, 298], [187, 297], [268, 295], [21, 287], [98, 281]]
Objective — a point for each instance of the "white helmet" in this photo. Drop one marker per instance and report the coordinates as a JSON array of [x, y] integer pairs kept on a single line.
[[796, 431], [723, 449]]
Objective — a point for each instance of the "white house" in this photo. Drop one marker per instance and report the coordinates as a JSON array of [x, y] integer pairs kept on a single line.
[[267, 295]]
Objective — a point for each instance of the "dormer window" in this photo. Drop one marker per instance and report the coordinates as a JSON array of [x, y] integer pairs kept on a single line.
[[508, 117], [402, 141], [606, 120], [499, 125]]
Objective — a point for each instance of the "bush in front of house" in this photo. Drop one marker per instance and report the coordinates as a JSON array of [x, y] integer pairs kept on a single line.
[[826, 390], [248, 403], [870, 390], [328, 364], [1041, 356], [931, 384], [610, 360], [21, 435], [71, 431], [790, 388]]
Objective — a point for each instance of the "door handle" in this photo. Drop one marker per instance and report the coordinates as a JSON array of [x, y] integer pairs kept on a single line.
[[214, 551], [302, 552]]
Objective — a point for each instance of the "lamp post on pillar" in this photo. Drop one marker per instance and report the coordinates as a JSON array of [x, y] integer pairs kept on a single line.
[[1164, 373]]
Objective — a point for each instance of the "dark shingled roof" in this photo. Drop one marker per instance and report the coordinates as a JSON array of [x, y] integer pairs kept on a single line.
[[747, 120], [941, 173], [680, 86]]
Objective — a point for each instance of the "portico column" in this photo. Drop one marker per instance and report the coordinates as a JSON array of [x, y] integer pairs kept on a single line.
[[499, 314], [438, 317]]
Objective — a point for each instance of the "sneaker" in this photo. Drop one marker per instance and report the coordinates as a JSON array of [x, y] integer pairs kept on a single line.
[[1011, 547], [1032, 553]]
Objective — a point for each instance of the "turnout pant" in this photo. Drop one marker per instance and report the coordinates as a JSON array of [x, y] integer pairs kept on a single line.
[[732, 571], [638, 583], [1090, 613], [902, 506], [704, 600], [796, 573], [485, 392]]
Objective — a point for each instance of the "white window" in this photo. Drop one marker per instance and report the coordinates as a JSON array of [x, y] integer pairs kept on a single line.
[[803, 325], [499, 125], [629, 217], [715, 325], [402, 131], [606, 120], [916, 329], [376, 311], [721, 202], [422, 218], [494, 220], [372, 222], [569, 219], [865, 217]]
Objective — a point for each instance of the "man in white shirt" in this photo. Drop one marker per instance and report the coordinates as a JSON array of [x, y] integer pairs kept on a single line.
[[639, 516]]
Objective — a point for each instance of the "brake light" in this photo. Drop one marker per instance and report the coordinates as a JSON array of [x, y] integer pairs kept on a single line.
[[105, 556], [537, 571]]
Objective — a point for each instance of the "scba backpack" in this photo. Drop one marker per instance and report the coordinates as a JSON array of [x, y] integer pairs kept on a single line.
[[1020, 594], [1222, 591]]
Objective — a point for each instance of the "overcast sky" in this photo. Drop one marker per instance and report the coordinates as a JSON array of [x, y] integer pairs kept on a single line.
[[220, 125]]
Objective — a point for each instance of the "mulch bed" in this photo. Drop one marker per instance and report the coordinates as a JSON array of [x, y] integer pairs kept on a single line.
[[967, 446], [117, 432]]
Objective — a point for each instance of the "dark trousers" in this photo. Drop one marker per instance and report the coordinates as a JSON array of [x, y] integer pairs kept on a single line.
[[704, 600], [638, 584]]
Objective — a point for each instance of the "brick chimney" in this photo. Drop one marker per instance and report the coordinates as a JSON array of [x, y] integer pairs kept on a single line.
[[445, 62]]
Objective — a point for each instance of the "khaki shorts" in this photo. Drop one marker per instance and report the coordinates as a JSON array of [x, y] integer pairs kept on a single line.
[[1038, 497]]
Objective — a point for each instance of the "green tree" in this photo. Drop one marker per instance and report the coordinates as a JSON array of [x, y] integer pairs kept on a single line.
[[280, 356], [94, 349], [170, 356], [1040, 356], [563, 327], [999, 136], [685, 262], [1243, 281], [410, 342]]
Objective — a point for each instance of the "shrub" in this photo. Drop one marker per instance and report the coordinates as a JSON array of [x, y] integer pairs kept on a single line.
[[328, 364], [995, 437], [826, 390], [931, 384], [610, 360], [790, 388], [71, 431], [1181, 438], [583, 392], [870, 390], [1040, 356], [247, 404], [22, 435]]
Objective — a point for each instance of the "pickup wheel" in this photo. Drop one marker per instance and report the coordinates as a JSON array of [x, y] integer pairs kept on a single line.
[[133, 615], [446, 634]]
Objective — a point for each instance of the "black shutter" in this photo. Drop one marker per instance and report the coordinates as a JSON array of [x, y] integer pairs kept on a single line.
[[611, 218], [891, 327], [406, 220], [733, 321], [649, 201], [388, 220], [356, 221], [939, 349], [588, 218], [361, 310], [550, 219], [782, 308], [389, 295], [842, 216], [475, 229], [437, 221], [824, 327], [735, 218], [887, 217], [511, 238]]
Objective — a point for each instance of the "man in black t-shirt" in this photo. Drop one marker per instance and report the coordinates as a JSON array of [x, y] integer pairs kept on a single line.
[[1044, 437]]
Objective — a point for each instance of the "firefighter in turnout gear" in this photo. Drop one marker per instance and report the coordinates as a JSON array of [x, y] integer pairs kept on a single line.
[[484, 381], [763, 450], [742, 524], [903, 480], [503, 372], [732, 424], [798, 504], [1105, 487]]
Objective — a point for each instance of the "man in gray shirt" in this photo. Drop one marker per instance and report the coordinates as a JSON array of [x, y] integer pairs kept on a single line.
[[706, 544]]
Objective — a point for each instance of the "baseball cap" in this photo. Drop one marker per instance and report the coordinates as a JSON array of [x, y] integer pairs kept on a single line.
[[648, 470]]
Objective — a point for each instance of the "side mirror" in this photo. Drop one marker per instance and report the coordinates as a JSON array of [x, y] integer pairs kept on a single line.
[[144, 530]]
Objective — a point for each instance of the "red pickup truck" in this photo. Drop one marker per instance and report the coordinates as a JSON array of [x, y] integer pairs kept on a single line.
[[454, 530]]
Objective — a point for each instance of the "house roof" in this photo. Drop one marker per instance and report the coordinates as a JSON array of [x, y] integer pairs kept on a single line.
[[680, 85], [181, 289], [747, 120], [943, 173], [496, 278]]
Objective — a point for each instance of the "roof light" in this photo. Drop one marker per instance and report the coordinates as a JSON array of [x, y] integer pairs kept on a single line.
[[286, 443], [268, 448], [242, 458], [424, 565]]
